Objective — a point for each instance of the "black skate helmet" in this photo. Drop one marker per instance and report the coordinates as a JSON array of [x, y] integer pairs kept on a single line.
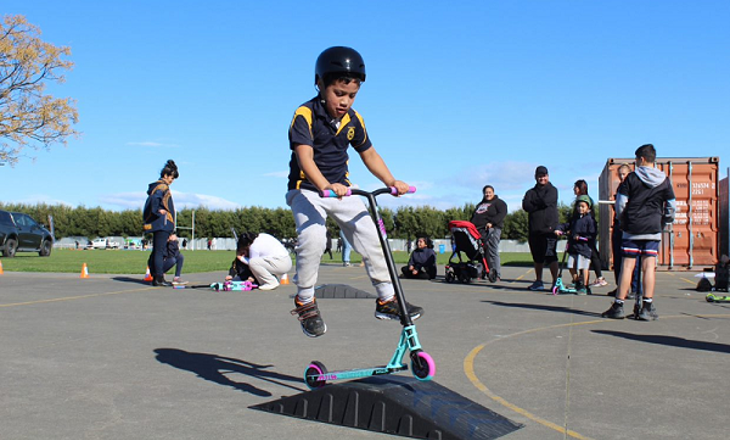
[[339, 60]]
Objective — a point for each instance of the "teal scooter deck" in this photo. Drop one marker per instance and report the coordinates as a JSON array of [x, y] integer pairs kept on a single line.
[[422, 365]]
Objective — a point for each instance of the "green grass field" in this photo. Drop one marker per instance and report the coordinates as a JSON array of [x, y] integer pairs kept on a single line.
[[132, 262]]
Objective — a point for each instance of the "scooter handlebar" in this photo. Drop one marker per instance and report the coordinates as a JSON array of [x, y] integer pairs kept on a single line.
[[392, 190]]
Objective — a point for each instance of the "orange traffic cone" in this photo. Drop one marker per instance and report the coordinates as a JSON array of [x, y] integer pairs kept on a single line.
[[284, 279], [84, 271], [148, 275], [1, 268]]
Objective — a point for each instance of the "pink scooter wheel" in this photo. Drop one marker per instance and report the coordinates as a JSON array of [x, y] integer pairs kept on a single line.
[[311, 374], [422, 365]]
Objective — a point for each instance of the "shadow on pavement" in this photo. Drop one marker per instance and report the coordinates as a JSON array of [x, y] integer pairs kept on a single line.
[[216, 369], [543, 307], [672, 341], [132, 280]]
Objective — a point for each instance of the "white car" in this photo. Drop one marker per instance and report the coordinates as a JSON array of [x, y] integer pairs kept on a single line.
[[104, 243]]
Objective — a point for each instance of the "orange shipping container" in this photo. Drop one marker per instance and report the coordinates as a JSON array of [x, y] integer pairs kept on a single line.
[[693, 238]]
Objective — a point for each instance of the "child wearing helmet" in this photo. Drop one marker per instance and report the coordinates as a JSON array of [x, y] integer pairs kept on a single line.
[[582, 229], [320, 134]]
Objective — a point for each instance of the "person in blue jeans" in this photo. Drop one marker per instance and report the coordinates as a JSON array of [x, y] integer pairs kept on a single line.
[[173, 257], [616, 237], [346, 249]]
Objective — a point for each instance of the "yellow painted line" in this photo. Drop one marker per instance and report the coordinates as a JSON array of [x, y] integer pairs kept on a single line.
[[683, 279], [521, 276], [469, 369], [72, 298]]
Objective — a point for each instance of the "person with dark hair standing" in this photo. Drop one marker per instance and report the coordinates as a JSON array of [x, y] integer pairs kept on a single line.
[[488, 217], [645, 204], [159, 219], [541, 204], [422, 264], [262, 257], [328, 243], [616, 239], [580, 188]]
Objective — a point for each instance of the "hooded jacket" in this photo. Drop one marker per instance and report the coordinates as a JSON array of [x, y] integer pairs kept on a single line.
[[645, 202], [541, 204], [489, 211], [582, 228], [158, 197]]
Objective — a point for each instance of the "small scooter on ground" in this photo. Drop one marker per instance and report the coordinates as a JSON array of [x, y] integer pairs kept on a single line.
[[559, 287], [422, 365]]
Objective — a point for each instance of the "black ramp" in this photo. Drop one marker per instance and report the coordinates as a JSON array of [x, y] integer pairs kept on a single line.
[[342, 291], [396, 405]]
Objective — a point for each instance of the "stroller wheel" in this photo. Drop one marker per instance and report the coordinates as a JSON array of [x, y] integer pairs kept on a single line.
[[465, 278], [450, 277]]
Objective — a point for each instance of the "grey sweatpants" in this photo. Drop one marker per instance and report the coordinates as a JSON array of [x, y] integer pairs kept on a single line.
[[310, 213]]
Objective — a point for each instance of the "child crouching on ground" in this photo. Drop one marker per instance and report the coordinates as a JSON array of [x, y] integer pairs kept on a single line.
[[261, 259], [582, 229]]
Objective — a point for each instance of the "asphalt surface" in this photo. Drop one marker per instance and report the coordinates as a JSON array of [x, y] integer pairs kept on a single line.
[[110, 357]]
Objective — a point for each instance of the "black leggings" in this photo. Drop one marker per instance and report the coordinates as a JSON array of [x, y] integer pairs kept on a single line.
[[596, 260]]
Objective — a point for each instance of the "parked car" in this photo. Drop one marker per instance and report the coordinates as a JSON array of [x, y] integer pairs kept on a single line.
[[105, 243], [20, 233]]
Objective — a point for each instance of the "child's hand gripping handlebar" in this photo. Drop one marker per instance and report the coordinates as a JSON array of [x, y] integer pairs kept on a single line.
[[391, 190]]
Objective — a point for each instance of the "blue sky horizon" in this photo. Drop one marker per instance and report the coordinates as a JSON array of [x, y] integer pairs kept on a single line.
[[457, 96]]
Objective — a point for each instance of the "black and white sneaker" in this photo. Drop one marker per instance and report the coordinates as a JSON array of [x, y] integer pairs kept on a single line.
[[391, 310], [310, 318], [648, 312], [615, 312]]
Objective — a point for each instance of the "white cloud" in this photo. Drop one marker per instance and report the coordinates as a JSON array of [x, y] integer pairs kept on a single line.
[[35, 199], [136, 200]]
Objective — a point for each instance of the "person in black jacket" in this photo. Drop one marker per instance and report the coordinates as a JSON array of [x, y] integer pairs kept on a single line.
[[645, 204], [488, 217], [159, 219], [541, 204], [422, 264], [582, 229]]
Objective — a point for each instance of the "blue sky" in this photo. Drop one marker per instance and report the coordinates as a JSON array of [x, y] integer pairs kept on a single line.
[[458, 94]]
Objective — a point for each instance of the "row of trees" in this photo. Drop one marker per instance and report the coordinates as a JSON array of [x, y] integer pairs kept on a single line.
[[405, 222]]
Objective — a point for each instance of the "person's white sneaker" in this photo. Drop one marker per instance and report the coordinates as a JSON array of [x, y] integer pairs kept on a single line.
[[270, 286]]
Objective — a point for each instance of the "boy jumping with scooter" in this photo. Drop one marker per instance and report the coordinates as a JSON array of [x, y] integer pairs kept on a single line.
[[319, 135]]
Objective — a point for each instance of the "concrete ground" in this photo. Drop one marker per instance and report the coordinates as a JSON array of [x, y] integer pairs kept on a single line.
[[110, 357]]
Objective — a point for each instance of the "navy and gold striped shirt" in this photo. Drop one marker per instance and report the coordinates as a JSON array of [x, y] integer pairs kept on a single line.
[[313, 126]]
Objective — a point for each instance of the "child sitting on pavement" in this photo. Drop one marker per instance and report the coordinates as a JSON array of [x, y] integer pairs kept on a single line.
[[422, 264], [260, 258], [582, 229]]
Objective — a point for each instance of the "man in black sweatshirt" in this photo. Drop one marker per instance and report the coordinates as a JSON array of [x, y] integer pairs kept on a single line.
[[541, 204]]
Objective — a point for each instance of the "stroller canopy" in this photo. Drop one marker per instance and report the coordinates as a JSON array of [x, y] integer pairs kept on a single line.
[[468, 227]]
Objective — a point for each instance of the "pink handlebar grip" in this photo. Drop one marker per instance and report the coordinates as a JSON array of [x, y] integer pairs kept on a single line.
[[394, 190]]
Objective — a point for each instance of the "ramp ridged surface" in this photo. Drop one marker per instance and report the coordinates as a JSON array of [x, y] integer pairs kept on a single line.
[[341, 291], [396, 405]]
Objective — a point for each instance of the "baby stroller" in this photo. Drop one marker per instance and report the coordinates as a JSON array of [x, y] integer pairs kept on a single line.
[[467, 239]]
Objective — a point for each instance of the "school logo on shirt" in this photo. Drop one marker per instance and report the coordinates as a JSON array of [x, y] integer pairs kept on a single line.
[[350, 133]]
